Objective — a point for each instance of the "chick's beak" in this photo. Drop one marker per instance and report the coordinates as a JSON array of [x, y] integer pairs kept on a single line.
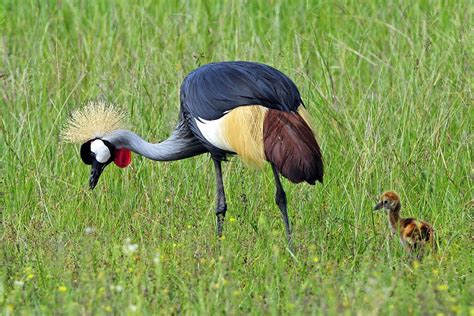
[[96, 171], [378, 206]]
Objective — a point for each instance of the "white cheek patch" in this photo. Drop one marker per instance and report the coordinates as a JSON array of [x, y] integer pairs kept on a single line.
[[102, 152]]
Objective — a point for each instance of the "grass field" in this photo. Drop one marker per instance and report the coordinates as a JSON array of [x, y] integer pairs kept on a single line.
[[389, 87]]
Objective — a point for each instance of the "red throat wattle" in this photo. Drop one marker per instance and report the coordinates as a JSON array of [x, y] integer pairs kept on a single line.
[[123, 157]]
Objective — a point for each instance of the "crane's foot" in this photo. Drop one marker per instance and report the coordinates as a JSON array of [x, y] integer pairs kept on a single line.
[[289, 238], [220, 223], [280, 200]]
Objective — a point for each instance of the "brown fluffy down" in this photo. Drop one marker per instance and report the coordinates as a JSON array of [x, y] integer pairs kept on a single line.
[[416, 233], [291, 146]]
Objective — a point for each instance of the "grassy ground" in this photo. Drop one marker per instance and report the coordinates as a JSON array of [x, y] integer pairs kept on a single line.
[[389, 86]]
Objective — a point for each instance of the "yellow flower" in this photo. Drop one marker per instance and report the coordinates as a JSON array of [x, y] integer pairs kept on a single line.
[[30, 276], [276, 250], [62, 289], [108, 309], [232, 219], [443, 287], [315, 259], [416, 264], [346, 302], [456, 309]]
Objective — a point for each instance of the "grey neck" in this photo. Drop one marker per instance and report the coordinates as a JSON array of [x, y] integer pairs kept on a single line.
[[181, 144]]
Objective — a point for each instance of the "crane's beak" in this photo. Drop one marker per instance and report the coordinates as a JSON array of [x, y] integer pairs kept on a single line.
[[378, 206], [96, 170]]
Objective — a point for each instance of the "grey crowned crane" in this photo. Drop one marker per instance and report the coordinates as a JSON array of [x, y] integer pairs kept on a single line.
[[228, 108]]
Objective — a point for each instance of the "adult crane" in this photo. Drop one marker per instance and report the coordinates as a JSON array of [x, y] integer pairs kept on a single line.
[[227, 108]]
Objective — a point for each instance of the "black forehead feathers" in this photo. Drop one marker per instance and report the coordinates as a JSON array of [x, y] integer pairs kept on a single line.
[[86, 154]]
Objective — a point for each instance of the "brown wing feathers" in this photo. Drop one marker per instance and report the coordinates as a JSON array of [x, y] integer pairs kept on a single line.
[[289, 144]]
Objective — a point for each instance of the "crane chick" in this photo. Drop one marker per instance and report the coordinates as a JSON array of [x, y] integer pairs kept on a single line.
[[414, 234]]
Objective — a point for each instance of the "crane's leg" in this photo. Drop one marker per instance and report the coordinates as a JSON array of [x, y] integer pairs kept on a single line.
[[221, 204], [280, 199]]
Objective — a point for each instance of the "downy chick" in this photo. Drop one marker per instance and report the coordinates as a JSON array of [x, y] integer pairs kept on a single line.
[[414, 234]]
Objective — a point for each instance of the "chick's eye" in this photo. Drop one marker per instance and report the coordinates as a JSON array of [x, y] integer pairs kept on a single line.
[[385, 202]]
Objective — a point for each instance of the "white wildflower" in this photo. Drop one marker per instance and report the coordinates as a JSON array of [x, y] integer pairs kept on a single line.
[[89, 230], [116, 288], [156, 259], [129, 248], [18, 283]]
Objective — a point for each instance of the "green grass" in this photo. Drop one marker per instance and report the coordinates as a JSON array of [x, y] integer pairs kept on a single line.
[[389, 86]]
